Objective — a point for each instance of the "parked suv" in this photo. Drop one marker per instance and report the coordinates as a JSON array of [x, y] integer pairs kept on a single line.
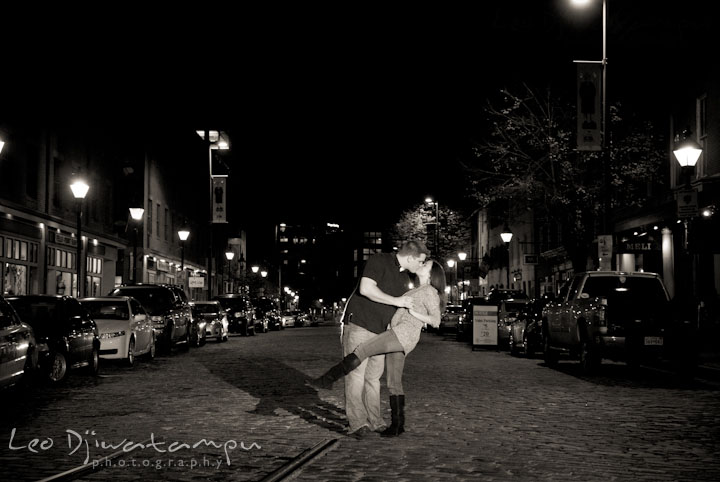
[[240, 313], [622, 316], [66, 335], [169, 313]]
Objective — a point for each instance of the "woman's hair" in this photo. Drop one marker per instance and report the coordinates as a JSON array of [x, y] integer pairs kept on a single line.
[[437, 281]]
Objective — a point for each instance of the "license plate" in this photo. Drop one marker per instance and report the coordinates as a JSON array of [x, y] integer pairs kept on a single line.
[[653, 340]]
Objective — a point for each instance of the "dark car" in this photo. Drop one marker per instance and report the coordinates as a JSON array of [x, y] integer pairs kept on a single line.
[[66, 335], [240, 313], [621, 316], [18, 349], [197, 325], [266, 310], [170, 315], [526, 330]]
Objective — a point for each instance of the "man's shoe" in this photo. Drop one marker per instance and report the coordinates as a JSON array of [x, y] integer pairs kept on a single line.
[[362, 432], [380, 429]]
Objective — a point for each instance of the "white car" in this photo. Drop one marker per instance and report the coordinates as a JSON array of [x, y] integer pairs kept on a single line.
[[216, 322], [125, 328]]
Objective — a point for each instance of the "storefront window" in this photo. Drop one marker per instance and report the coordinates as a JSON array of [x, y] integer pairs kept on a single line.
[[15, 279]]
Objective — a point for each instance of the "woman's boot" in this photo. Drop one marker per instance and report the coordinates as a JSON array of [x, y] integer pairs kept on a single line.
[[394, 429], [348, 364]]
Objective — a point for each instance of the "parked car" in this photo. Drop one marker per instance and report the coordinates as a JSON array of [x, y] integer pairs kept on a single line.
[[18, 348], [197, 326], [275, 321], [240, 313], [265, 314], [526, 330], [450, 318], [125, 329], [171, 318], [508, 310], [213, 317], [622, 316], [499, 294], [67, 337]]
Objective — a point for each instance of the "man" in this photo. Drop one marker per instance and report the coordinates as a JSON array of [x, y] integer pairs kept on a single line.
[[369, 311]]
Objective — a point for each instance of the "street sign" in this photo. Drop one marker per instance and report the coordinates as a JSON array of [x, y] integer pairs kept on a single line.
[[485, 325], [687, 203], [196, 282], [531, 259]]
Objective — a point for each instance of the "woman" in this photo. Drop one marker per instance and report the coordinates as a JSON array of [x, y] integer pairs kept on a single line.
[[398, 341]]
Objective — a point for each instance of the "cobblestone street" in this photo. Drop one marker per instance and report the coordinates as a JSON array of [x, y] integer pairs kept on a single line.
[[240, 410]]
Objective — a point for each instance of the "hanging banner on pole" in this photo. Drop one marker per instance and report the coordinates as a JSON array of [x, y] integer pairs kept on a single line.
[[219, 199], [589, 106]]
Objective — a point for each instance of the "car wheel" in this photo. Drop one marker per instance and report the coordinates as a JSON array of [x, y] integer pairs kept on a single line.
[[31, 365], [94, 362], [589, 357], [130, 360], [550, 355], [58, 371]]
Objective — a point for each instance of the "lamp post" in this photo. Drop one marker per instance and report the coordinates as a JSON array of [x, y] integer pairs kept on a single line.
[[453, 264], [214, 140], [79, 189], [430, 200], [462, 256], [229, 255], [604, 106], [136, 214], [183, 234], [687, 154], [506, 236]]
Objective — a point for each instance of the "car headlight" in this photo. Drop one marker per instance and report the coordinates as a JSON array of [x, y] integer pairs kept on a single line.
[[105, 336], [157, 319], [238, 314]]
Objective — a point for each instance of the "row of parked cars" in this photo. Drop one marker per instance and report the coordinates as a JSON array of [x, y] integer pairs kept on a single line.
[[50, 335], [619, 316]]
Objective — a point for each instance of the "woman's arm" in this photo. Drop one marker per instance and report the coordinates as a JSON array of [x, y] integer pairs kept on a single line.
[[432, 317]]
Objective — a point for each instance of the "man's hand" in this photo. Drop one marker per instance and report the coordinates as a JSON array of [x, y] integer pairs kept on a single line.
[[407, 302]]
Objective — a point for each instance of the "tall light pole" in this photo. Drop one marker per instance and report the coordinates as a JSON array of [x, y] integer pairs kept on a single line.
[[213, 140], [229, 255], [453, 264], [462, 256], [430, 200], [506, 236], [604, 121], [79, 189], [183, 234], [136, 214]]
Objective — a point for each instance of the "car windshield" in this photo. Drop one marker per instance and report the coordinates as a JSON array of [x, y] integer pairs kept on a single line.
[[155, 301], [107, 310], [41, 315]]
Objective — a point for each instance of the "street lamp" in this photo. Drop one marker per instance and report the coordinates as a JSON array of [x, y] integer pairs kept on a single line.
[[79, 189], [183, 234], [453, 264], [687, 153], [229, 255], [506, 236], [136, 214], [429, 200], [462, 255]]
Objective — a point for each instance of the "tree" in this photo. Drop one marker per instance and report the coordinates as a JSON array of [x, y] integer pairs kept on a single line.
[[454, 229], [528, 162]]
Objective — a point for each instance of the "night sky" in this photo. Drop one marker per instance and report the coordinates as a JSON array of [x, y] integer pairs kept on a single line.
[[360, 113]]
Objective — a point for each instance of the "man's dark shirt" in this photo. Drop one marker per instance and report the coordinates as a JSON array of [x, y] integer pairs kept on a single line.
[[384, 268]]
